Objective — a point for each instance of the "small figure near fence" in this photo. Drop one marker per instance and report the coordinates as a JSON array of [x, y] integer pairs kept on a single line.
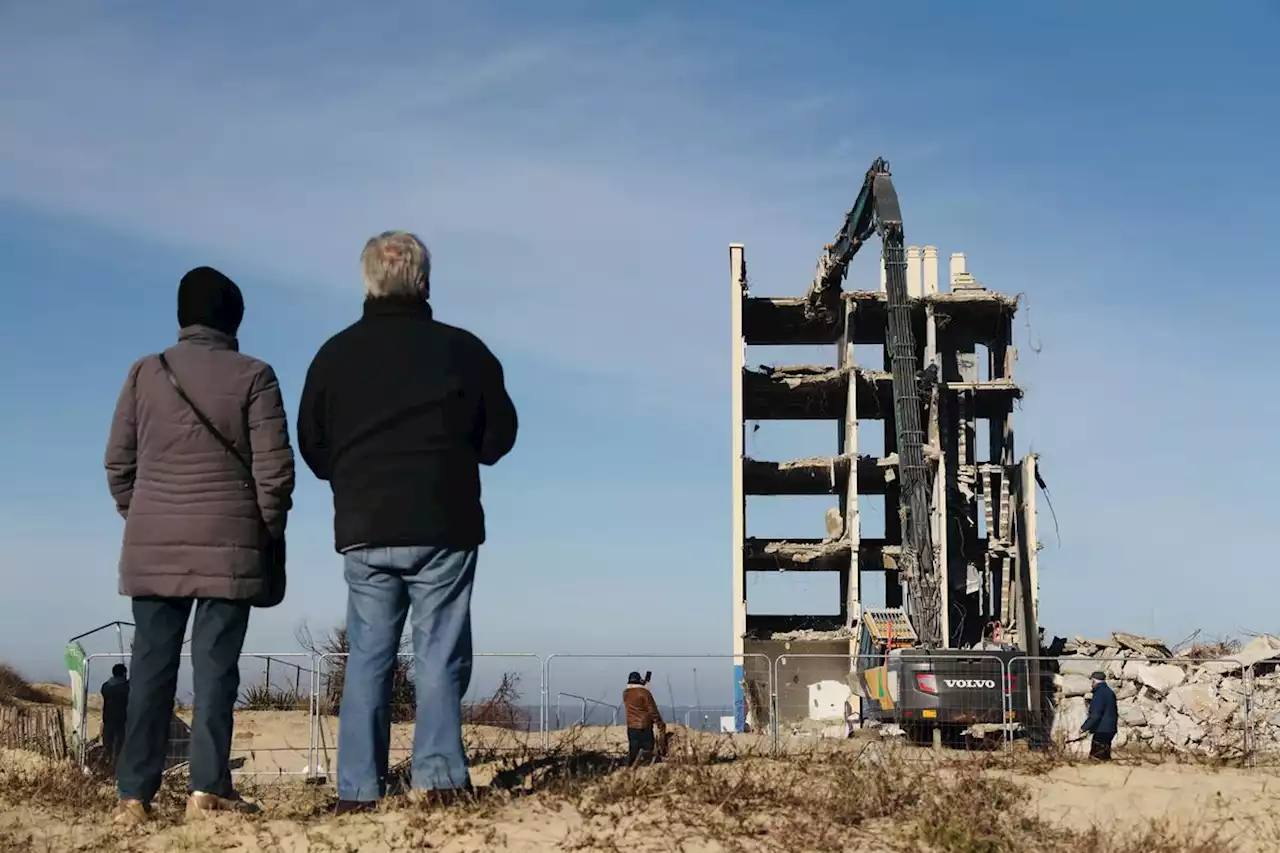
[[851, 718], [1104, 718], [115, 705], [200, 467], [398, 413], [643, 717]]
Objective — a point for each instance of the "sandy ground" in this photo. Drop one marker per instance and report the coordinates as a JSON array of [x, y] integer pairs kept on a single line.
[[1244, 804]]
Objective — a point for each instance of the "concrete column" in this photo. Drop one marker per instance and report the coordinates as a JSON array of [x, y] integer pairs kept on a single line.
[[958, 267], [1030, 547], [852, 604], [738, 346], [939, 521], [915, 281], [933, 427], [930, 270], [852, 524]]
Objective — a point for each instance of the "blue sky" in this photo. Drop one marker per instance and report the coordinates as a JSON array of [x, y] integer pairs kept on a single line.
[[578, 173]]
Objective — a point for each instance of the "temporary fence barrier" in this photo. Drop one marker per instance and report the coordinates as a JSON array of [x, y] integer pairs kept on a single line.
[[679, 685], [707, 719], [962, 701], [1176, 705], [287, 711], [274, 713], [613, 710], [498, 720]]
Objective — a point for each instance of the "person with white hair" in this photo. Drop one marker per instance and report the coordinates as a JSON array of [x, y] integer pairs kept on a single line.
[[398, 412]]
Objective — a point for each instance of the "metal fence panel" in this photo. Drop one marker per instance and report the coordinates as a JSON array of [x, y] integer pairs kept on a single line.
[[1176, 705], [286, 724], [910, 695], [273, 715], [1262, 682], [503, 710], [696, 695]]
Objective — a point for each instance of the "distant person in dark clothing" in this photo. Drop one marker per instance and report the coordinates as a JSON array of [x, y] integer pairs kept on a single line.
[[1104, 718], [643, 717], [399, 411], [115, 705]]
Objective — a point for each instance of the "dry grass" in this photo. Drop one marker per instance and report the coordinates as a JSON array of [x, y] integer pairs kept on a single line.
[[264, 697], [700, 799]]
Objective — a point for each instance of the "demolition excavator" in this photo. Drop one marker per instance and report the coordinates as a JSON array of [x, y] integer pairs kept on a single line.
[[904, 674]]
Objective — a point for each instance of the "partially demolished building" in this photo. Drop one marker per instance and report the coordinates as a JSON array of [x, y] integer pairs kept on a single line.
[[982, 511]]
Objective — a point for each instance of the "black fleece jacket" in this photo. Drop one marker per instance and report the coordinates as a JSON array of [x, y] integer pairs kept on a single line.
[[397, 413]]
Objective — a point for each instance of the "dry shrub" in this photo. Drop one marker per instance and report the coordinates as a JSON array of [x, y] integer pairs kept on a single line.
[[828, 801], [264, 697], [15, 688], [500, 710], [337, 644], [32, 781], [1211, 651]]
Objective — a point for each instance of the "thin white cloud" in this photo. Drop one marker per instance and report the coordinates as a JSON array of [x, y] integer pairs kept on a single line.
[[578, 188]]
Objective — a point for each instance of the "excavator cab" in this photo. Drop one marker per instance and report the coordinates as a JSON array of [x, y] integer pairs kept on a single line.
[[883, 631]]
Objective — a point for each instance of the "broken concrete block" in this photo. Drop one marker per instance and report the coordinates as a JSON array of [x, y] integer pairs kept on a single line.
[[1131, 714], [1078, 665], [1182, 731], [1132, 668], [834, 523], [1259, 650], [1115, 668], [1126, 690], [1161, 678], [1155, 711], [1076, 685], [1067, 722], [1199, 702]]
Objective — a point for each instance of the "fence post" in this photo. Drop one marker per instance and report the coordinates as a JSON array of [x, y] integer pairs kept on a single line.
[[546, 702], [775, 740], [1250, 753]]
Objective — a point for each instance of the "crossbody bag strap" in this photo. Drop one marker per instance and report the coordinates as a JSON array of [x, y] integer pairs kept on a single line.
[[208, 424]]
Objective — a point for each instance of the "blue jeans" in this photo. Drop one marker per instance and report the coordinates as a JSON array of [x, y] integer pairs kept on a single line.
[[383, 583]]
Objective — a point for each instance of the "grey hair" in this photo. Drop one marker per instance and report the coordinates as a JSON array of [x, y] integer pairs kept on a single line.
[[396, 263]]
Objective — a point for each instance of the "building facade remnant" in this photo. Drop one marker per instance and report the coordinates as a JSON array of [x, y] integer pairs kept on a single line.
[[983, 507]]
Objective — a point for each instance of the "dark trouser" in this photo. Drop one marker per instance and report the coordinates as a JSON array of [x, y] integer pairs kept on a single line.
[[638, 741], [113, 738], [1100, 748], [217, 637]]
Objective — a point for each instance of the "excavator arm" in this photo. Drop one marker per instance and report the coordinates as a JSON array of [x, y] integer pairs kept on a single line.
[[877, 211]]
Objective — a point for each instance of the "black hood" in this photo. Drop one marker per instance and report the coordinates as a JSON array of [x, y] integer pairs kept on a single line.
[[206, 297]]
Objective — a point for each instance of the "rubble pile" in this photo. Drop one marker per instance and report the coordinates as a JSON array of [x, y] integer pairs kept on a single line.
[[1181, 701]]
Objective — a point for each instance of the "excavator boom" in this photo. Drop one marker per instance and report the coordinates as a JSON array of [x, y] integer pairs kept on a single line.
[[877, 211]]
